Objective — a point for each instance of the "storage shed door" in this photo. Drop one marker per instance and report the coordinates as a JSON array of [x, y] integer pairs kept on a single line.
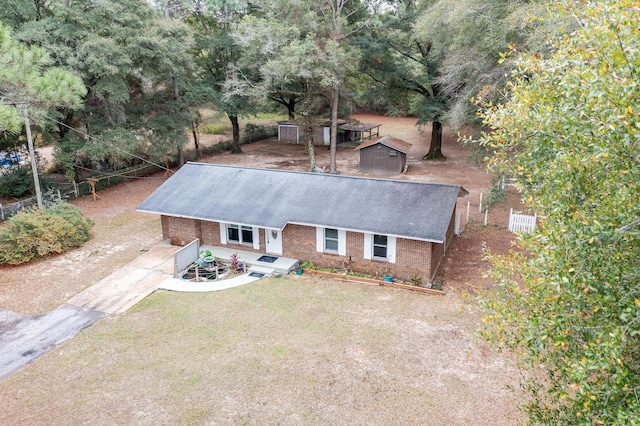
[[288, 132], [379, 159]]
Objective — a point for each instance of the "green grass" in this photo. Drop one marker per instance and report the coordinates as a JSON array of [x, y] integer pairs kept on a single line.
[[288, 350], [209, 116], [215, 129]]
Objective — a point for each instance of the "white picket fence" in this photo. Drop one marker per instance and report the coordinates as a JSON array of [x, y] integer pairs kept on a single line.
[[519, 222]]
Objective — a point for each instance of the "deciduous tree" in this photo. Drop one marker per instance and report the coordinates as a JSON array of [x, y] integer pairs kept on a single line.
[[569, 303]]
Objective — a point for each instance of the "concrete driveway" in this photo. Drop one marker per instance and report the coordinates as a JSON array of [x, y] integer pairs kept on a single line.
[[24, 338]]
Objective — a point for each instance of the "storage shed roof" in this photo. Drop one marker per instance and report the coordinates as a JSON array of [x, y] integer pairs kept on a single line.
[[390, 141], [272, 198]]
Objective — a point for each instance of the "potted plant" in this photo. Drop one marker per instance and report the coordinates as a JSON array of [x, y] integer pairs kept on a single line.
[[388, 277]]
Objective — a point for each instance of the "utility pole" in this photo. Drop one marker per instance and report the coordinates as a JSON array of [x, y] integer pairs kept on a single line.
[[32, 154]]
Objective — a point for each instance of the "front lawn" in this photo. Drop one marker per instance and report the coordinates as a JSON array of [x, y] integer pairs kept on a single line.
[[288, 350]]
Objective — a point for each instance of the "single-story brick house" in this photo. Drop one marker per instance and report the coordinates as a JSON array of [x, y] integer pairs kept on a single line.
[[374, 225]]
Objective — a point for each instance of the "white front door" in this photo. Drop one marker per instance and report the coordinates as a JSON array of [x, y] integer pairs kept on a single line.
[[274, 241]]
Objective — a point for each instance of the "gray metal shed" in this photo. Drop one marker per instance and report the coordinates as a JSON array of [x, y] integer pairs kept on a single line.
[[292, 131], [383, 156]]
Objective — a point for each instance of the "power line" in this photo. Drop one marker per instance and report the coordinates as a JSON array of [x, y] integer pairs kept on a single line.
[[111, 174], [86, 135]]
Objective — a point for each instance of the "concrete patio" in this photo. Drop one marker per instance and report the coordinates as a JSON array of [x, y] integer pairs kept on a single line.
[[281, 265]]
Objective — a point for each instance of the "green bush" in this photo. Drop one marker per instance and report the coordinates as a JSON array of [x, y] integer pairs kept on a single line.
[[16, 182], [255, 132], [496, 193], [35, 233]]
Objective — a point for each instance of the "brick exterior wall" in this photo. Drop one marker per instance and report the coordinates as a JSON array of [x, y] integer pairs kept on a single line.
[[439, 250], [180, 231], [413, 258], [210, 233]]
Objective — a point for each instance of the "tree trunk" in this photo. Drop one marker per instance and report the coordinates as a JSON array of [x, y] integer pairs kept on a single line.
[[311, 149], [291, 109], [235, 126], [435, 149], [67, 121], [196, 138], [335, 97], [181, 159]]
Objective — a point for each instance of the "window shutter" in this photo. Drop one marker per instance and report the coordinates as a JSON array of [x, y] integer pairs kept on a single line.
[[256, 237], [342, 242], [391, 249], [368, 246], [319, 239], [223, 233]]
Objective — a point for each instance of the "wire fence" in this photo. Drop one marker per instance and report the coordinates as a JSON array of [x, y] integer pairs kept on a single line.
[[68, 190]]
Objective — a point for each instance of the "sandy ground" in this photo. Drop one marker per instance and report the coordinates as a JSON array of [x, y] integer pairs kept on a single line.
[[468, 376], [121, 233]]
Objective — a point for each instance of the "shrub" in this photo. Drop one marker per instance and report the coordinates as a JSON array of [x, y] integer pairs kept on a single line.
[[496, 193], [16, 182], [255, 132], [35, 233]]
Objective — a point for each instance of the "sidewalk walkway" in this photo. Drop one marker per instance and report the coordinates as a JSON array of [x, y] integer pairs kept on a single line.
[[174, 284], [118, 292]]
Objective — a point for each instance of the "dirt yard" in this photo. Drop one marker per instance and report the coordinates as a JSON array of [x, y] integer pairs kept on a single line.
[[468, 377]]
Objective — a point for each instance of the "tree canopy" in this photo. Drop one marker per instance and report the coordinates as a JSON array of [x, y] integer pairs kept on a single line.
[[26, 79], [568, 301]]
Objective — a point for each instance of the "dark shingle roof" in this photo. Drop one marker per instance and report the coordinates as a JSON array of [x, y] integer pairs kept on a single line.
[[272, 198]]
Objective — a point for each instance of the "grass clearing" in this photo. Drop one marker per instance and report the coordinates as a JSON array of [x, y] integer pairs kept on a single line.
[[215, 129], [288, 350], [212, 117]]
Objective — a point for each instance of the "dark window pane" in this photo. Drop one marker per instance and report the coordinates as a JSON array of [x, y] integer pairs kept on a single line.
[[380, 246], [233, 234], [331, 233], [380, 240], [330, 239], [247, 234], [380, 251], [331, 245]]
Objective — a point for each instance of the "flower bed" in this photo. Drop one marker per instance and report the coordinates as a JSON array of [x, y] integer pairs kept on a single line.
[[360, 279]]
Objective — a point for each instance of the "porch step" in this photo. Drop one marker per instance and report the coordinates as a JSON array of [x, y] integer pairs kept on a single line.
[[262, 270]]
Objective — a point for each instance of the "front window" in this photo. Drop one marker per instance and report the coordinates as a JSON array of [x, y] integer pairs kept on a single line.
[[240, 234], [331, 239], [380, 246]]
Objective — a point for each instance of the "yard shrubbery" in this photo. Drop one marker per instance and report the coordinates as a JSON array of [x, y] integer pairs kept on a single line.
[[256, 132], [16, 182], [35, 233]]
